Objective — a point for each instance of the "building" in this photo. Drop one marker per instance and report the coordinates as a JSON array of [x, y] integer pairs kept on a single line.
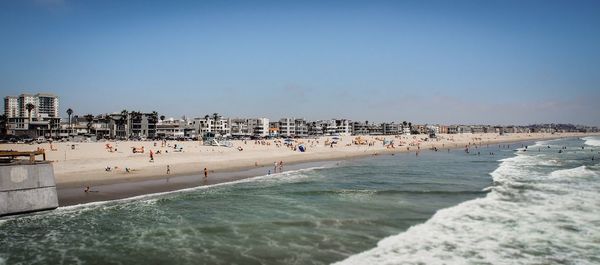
[[258, 127], [170, 129], [433, 129], [360, 128], [41, 120], [11, 107], [337, 127], [239, 128], [212, 124], [315, 128], [391, 128], [443, 129], [142, 125], [300, 128], [287, 127]]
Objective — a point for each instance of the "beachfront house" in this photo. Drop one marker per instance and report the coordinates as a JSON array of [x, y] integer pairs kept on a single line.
[[315, 128], [342, 126], [376, 129], [287, 127], [300, 128], [258, 127], [212, 124], [360, 128], [443, 129], [391, 128], [142, 125], [433, 129], [239, 128], [452, 129], [170, 129]]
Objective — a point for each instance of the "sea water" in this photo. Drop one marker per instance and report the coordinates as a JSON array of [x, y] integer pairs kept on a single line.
[[535, 206], [544, 208]]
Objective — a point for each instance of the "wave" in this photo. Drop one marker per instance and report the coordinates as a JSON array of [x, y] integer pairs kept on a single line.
[[508, 226], [578, 172], [384, 192], [592, 141]]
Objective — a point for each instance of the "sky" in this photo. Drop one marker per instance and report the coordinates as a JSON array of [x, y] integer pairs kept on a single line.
[[488, 62]]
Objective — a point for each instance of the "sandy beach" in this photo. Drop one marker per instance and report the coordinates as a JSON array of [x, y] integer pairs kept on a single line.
[[81, 164]]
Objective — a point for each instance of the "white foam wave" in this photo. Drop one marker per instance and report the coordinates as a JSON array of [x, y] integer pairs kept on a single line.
[[544, 143], [549, 223], [577, 172], [592, 140]]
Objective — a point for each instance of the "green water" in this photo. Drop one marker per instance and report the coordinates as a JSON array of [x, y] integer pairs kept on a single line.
[[312, 216]]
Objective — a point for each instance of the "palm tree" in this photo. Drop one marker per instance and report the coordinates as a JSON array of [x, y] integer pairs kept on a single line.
[[3, 119], [29, 108], [89, 118], [153, 120], [216, 117], [70, 112], [162, 117], [410, 127]]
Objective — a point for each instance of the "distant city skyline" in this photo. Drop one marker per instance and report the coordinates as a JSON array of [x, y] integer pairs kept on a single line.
[[449, 62]]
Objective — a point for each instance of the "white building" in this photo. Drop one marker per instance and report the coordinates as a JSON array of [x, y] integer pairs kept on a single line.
[[258, 126], [287, 127], [300, 128], [217, 125], [170, 129], [42, 120], [11, 107]]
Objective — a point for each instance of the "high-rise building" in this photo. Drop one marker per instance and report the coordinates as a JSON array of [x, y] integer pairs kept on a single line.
[[11, 107], [45, 105], [41, 120]]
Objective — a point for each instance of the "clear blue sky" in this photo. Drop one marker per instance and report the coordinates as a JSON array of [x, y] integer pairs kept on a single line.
[[494, 62]]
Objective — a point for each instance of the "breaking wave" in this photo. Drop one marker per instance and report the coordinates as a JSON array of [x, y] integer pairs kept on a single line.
[[592, 140], [529, 217]]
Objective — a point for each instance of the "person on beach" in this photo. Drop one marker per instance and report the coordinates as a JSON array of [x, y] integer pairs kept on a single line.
[[151, 156], [205, 172], [168, 170]]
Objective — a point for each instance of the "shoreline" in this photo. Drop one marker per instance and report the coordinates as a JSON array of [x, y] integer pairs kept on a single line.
[[108, 190], [151, 172], [84, 166]]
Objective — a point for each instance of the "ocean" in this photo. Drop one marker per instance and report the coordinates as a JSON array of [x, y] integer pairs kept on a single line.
[[537, 206]]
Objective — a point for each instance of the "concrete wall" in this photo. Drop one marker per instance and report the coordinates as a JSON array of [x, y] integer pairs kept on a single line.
[[27, 188]]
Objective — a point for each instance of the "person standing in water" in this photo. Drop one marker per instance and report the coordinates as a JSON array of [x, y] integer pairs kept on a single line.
[[205, 172]]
